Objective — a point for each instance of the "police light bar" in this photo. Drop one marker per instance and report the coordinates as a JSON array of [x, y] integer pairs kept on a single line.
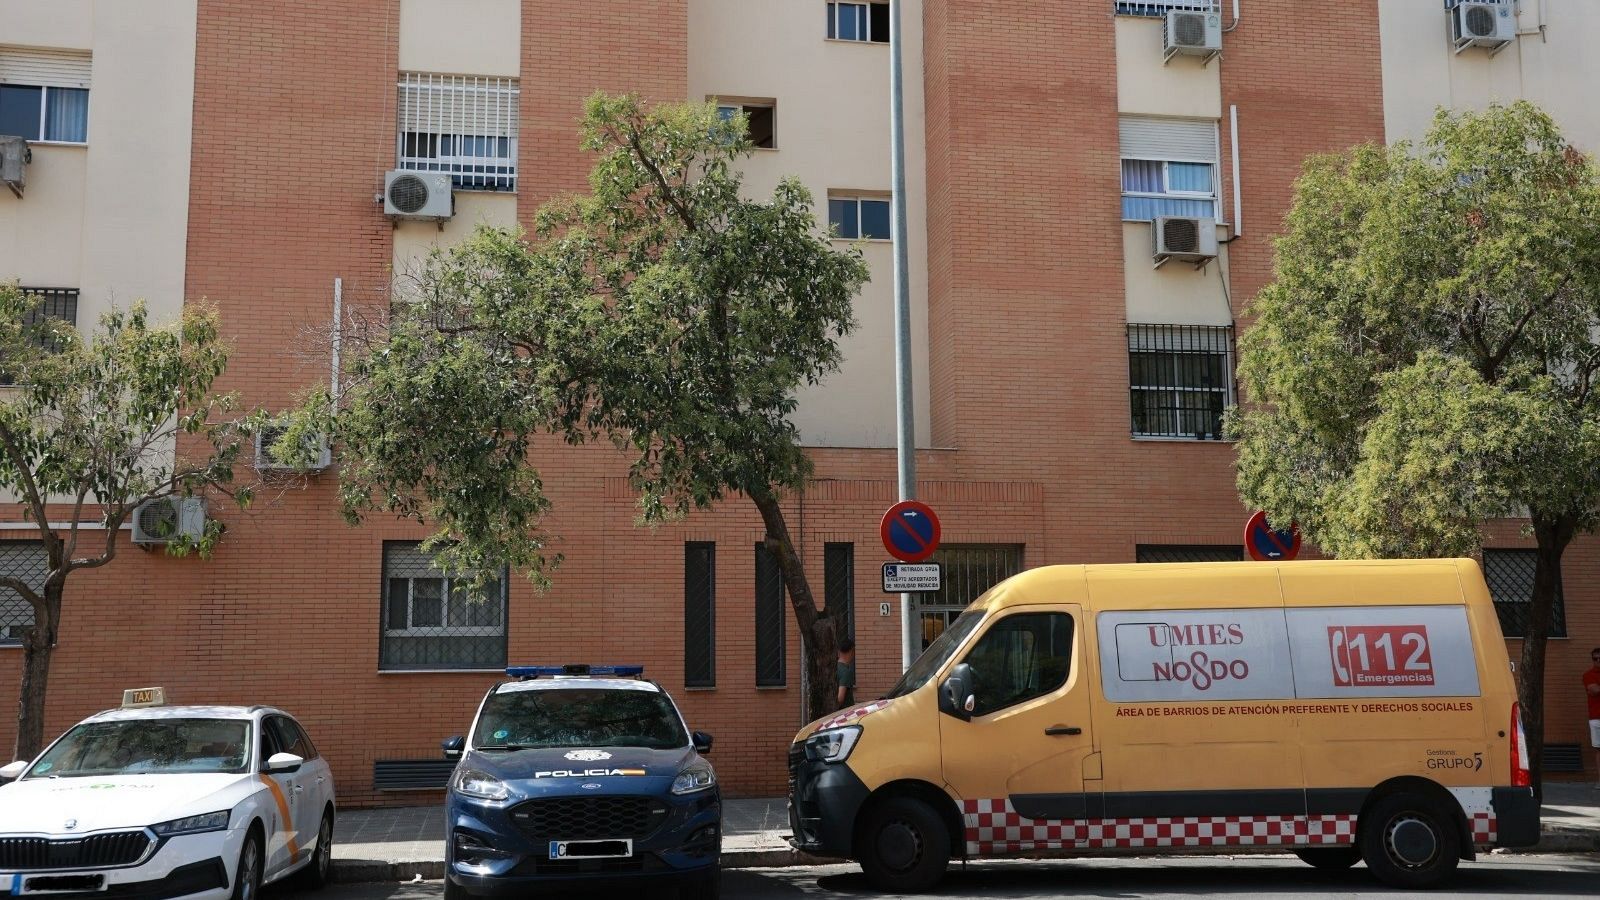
[[578, 669]]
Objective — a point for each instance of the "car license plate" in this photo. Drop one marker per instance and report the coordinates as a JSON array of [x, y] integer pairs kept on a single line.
[[59, 884], [5, 884], [590, 849]]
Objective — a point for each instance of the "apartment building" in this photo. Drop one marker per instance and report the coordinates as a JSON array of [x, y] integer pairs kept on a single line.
[[1069, 377]]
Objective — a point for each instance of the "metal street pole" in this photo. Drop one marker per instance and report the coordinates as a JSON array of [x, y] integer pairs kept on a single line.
[[905, 423]]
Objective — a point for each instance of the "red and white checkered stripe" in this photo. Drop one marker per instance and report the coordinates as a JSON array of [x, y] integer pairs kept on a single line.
[[1483, 828], [994, 827]]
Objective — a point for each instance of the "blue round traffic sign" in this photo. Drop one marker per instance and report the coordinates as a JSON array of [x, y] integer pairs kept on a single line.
[[1267, 545], [910, 531]]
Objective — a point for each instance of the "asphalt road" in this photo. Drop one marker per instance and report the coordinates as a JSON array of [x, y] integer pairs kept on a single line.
[[1495, 876]]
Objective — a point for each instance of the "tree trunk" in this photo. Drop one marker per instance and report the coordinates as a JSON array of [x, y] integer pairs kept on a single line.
[[38, 643], [822, 648], [1553, 534]]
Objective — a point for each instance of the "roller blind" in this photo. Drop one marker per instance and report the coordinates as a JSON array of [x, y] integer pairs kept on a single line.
[[458, 104], [1170, 139], [51, 68]]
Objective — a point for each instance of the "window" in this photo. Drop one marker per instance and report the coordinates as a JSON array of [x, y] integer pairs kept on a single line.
[[865, 22], [1510, 577], [1169, 167], [26, 561], [854, 218], [44, 94], [1188, 553], [1158, 8], [1021, 657], [1180, 379], [433, 620], [969, 570], [839, 586], [289, 738], [770, 661], [462, 124], [760, 121], [699, 614]]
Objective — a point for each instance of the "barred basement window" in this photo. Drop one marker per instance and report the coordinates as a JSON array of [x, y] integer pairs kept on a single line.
[[466, 125], [839, 586], [25, 561], [1157, 9], [1188, 553], [431, 618], [700, 614], [771, 670], [1180, 379], [1510, 577]]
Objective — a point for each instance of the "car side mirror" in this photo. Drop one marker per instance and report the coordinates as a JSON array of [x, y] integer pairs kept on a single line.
[[284, 763], [12, 771], [956, 693], [453, 746], [702, 742]]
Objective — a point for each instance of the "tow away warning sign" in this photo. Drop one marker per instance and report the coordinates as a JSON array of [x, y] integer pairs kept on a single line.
[[911, 578]]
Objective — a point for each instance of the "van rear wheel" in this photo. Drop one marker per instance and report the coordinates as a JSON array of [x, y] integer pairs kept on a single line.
[[1408, 842], [1330, 858], [905, 846]]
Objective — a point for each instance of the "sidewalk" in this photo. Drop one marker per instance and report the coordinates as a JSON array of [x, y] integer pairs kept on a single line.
[[402, 844]]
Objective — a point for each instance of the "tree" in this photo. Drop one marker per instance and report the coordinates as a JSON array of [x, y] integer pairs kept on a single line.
[[1426, 356], [94, 430], [662, 312]]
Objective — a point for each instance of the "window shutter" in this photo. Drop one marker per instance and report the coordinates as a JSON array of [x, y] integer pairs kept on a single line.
[[699, 614], [51, 68], [1190, 140], [770, 654], [458, 104]]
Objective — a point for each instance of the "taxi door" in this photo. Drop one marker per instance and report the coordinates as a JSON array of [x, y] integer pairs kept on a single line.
[[1017, 757], [284, 844]]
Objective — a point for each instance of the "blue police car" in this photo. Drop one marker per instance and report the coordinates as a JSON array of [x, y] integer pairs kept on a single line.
[[576, 776]]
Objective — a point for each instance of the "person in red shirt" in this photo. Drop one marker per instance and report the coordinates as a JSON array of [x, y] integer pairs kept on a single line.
[[1591, 686]]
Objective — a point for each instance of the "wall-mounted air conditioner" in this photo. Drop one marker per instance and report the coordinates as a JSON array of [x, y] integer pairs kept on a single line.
[[321, 456], [1191, 33], [1185, 237], [1491, 24], [418, 195], [14, 159], [166, 520]]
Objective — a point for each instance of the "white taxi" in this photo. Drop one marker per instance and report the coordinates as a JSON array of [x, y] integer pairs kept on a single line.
[[154, 802]]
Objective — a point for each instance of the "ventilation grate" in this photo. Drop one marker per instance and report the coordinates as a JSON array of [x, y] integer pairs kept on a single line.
[[1189, 30], [408, 193], [1181, 235]]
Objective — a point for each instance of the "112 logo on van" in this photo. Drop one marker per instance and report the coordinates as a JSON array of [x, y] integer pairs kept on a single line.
[[1380, 655]]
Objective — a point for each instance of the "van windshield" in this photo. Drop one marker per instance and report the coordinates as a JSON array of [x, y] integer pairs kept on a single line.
[[938, 652]]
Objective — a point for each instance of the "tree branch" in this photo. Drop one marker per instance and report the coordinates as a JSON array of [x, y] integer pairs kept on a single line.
[[1500, 355], [24, 589]]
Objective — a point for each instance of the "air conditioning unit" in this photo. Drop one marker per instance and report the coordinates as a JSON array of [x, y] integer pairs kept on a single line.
[[321, 454], [14, 159], [165, 520], [1489, 23], [418, 195], [1185, 237], [1192, 33]]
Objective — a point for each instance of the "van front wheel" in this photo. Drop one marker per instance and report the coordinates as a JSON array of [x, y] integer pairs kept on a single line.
[[1330, 858], [1408, 842], [905, 846]]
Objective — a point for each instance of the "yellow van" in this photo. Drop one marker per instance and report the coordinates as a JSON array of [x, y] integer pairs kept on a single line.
[[1341, 710]]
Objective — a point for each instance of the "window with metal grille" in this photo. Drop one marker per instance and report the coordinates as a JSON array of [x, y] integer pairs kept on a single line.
[[1157, 9], [50, 304], [1510, 577], [432, 619], [699, 614], [968, 571], [1180, 379], [771, 670], [839, 586], [25, 561], [1188, 553], [44, 94], [867, 22], [466, 125]]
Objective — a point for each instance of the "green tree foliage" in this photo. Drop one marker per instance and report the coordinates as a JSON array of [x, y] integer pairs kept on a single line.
[[1426, 356], [88, 432], [662, 312]]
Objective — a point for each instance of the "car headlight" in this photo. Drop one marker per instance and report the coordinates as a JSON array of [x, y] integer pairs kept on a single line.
[[697, 777], [833, 745], [482, 785], [211, 821]]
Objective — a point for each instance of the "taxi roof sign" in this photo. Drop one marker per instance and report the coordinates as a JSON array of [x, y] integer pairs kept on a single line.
[[139, 698]]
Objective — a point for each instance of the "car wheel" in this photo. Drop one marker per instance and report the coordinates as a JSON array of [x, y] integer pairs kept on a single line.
[[247, 877], [905, 846], [1408, 842], [1330, 858], [320, 870]]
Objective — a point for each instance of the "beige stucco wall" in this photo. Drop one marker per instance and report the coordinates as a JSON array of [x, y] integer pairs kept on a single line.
[[1177, 293], [414, 240], [1187, 86], [59, 24], [461, 37], [1557, 68], [832, 133], [41, 235]]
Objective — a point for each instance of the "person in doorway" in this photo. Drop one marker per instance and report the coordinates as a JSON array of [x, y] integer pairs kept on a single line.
[[1591, 686], [847, 672]]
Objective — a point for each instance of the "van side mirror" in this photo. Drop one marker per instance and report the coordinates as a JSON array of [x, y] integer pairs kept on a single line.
[[956, 697], [702, 742], [12, 771], [284, 763], [453, 746]]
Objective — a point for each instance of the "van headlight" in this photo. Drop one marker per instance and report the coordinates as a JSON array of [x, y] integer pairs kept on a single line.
[[833, 745], [212, 821], [474, 783], [697, 777]]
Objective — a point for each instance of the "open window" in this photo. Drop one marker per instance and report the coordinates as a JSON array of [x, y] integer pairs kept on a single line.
[[761, 120]]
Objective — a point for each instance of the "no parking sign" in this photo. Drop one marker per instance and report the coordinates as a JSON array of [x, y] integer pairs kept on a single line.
[[1267, 545]]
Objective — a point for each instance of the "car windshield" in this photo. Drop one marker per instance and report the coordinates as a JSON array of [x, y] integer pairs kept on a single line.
[[148, 747], [938, 652], [579, 717]]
